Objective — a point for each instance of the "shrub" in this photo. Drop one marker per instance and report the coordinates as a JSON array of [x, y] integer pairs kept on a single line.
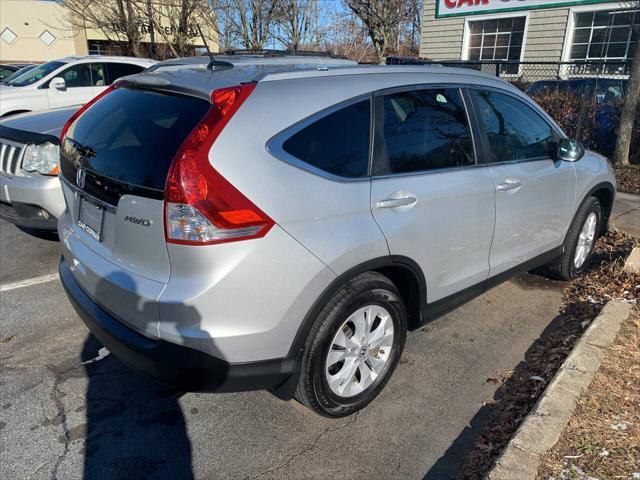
[[594, 125], [575, 114], [521, 84]]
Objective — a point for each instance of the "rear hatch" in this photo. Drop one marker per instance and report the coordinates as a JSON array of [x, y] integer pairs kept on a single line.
[[114, 163]]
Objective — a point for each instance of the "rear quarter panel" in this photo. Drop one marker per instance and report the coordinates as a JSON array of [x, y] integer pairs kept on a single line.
[[240, 301], [330, 218]]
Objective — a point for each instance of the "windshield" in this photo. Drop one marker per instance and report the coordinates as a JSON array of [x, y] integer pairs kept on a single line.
[[17, 73], [35, 74]]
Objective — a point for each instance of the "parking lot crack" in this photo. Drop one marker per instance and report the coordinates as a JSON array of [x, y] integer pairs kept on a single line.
[[307, 449], [37, 470], [56, 396], [625, 213]]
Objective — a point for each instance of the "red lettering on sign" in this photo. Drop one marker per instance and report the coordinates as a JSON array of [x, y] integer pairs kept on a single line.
[[461, 3]]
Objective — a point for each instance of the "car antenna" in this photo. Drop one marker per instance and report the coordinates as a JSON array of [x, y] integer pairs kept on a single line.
[[212, 61]]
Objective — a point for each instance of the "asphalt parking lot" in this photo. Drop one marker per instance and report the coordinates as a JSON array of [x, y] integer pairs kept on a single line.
[[68, 411]]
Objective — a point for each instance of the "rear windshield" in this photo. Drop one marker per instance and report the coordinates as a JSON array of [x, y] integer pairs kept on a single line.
[[132, 135]]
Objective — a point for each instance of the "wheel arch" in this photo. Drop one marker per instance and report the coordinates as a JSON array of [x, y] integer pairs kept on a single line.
[[14, 112], [402, 271], [405, 273], [605, 193]]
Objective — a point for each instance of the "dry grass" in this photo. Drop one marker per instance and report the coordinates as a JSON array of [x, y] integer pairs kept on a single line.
[[602, 439], [607, 280], [584, 297]]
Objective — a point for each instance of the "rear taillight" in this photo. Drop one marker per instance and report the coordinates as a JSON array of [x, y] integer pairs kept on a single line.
[[201, 206], [82, 109]]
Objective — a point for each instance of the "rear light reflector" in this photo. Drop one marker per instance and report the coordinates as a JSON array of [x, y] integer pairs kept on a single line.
[[201, 206]]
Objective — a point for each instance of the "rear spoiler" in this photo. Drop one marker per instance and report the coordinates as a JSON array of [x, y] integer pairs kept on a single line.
[[144, 81]]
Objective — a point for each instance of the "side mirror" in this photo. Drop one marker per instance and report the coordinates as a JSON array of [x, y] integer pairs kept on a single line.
[[570, 150], [57, 83]]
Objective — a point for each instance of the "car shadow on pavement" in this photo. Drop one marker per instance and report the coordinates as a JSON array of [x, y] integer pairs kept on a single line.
[[495, 422], [135, 427], [51, 235]]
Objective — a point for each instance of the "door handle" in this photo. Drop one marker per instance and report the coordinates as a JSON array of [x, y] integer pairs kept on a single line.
[[397, 202], [509, 184]]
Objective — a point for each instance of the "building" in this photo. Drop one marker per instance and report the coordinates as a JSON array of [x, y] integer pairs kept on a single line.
[[40, 30], [530, 30], [34, 31]]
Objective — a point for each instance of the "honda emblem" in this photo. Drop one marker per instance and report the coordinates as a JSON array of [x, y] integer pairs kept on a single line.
[[80, 176]]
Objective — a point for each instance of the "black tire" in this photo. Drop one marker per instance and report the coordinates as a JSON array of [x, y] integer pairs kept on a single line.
[[564, 268], [313, 390]]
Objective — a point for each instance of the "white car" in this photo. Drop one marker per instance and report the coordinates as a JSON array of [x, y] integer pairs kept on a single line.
[[65, 82]]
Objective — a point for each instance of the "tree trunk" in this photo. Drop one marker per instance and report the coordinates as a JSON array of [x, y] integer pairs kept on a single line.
[[379, 45], [152, 37], [625, 129], [133, 35], [380, 52]]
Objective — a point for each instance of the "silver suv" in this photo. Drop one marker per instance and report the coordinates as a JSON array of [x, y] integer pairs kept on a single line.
[[282, 227]]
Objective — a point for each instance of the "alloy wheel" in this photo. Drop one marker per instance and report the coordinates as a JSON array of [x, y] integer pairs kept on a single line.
[[359, 351], [585, 240]]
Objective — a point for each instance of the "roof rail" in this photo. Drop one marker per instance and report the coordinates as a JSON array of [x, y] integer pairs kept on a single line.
[[282, 53]]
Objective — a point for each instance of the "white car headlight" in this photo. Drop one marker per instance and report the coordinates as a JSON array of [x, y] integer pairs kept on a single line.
[[41, 158]]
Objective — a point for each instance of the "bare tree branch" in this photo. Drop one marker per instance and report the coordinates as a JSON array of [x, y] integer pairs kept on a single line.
[[248, 23], [383, 20], [122, 23], [296, 22]]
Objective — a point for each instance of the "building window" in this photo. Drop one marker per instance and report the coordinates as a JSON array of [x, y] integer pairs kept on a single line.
[[47, 38], [497, 39], [8, 35], [604, 35]]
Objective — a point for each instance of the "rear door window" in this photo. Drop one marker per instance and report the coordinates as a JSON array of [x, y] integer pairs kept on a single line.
[[117, 70], [337, 143], [131, 136], [97, 74], [426, 129]]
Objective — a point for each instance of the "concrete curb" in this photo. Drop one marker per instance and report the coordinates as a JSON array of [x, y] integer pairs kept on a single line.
[[542, 428], [632, 265]]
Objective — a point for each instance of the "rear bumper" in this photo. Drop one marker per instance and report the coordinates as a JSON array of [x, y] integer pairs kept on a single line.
[[181, 367]]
